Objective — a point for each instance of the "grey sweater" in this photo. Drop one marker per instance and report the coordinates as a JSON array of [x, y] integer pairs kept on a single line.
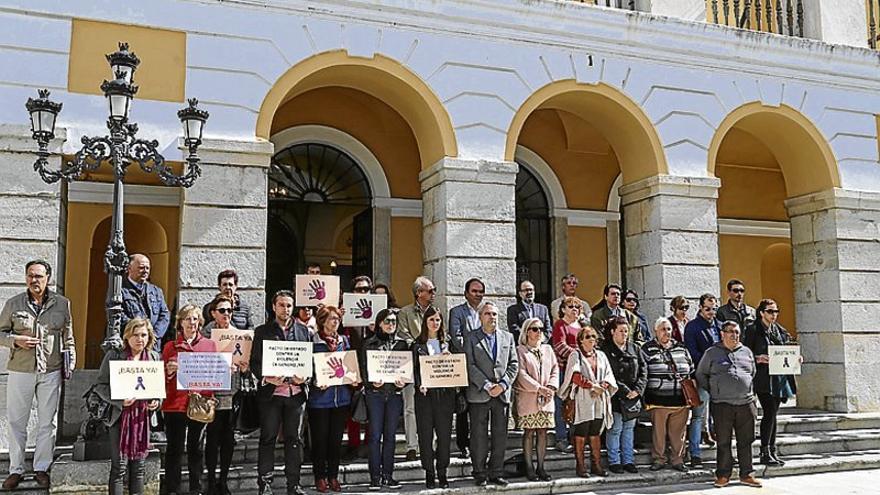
[[727, 375]]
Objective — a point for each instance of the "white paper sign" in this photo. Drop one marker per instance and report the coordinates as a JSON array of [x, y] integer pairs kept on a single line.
[[444, 370], [361, 309], [390, 366], [234, 341], [287, 359], [336, 368], [137, 380], [204, 371], [784, 359], [314, 290]]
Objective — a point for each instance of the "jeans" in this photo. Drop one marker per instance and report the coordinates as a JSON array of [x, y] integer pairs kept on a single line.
[[619, 440], [561, 427], [118, 468], [179, 428], [21, 389], [695, 430], [384, 411], [410, 429]]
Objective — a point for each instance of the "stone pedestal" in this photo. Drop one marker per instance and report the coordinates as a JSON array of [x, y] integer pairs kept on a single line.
[[223, 222], [469, 229], [835, 238], [671, 239]]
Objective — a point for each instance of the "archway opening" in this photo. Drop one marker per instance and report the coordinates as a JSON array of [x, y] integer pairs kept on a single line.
[[533, 253]]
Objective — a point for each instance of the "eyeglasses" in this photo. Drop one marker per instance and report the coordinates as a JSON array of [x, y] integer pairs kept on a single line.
[[614, 294], [570, 306], [390, 321], [224, 311], [590, 337], [684, 308], [631, 299], [772, 311], [738, 290], [535, 329], [431, 290], [709, 310], [362, 290], [731, 331]]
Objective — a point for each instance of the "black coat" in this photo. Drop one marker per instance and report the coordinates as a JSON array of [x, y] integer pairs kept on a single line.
[[272, 331], [630, 370], [420, 349], [757, 339], [376, 343]]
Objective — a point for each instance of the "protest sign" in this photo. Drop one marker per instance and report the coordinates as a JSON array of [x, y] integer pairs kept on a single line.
[[137, 380], [234, 341], [287, 359], [784, 359], [389, 366], [445, 370], [336, 368], [312, 290], [204, 371], [361, 309]]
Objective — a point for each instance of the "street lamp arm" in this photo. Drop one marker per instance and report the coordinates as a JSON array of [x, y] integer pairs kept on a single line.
[[147, 156]]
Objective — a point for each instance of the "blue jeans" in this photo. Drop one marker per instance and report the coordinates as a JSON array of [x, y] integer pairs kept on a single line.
[[384, 412], [695, 430], [561, 427], [619, 440]]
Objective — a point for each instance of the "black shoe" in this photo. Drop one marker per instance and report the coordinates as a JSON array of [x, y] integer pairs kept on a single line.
[[681, 468], [696, 462], [542, 475], [779, 462], [465, 453], [656, 466], [412, 455], [479, 481], [265, 484], [499, 481], [375, 485], [429, 481], [443, 482], [630, 468], [391, 483], [295, 490], [615, 468]]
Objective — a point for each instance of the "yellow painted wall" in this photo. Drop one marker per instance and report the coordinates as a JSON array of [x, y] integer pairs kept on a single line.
[[588, 259], [406, 256], [581, 157], [752, 184], [86, 285], [372, 122], [764, 266], [161, 74]]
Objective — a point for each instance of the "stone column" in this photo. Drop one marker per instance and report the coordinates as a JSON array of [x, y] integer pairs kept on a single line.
[[835, 236], [469, 229], [32, 223], [223, 222], [671, 236], [839, 23]]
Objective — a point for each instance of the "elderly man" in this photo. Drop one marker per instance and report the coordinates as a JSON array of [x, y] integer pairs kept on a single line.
[[227, 284], [492, 367], [142, 299], [569, 289], [736, 309], [409, 326], [464, 319], [37, 326], [726, 371]]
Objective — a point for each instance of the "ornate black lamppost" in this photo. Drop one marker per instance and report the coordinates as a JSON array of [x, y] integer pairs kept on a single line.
[[120, 149]]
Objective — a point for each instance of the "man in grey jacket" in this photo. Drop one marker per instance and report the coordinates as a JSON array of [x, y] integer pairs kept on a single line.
[[726, 371]]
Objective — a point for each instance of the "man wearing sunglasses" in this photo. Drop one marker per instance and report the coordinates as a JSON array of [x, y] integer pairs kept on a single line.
[[227, 284], [736, 308]]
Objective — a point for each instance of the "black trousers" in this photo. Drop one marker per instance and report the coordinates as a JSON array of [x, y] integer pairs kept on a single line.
[[118, 468], [729, 420], [769, 410], [179, 428], [275, 412], [220, 439], [462, 431], [492, 413], [434, 415], [327, 426]]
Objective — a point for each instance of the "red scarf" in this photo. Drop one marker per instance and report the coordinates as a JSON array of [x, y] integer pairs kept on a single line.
[[332, 341], [134, 426]]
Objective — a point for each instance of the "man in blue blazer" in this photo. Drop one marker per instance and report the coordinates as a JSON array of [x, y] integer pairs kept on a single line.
[[492, 367], [464, 319], [527, 308]]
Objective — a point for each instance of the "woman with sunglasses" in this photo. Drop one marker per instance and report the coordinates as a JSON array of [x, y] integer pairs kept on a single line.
[[631, 303], [679, 318], [773, 390], [589, 381], [434, 406], [384, 403], [220, 433], [535, 386]]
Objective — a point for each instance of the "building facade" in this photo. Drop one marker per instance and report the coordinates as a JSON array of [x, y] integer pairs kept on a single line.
[[668, 145]]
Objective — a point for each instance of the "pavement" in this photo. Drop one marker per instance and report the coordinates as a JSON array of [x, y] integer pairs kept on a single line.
[[839, 483]]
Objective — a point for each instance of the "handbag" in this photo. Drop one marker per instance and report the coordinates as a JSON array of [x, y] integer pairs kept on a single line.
[[98, 408], [359, 407], [245, 406], [688, 386], [630, 408], [568, 408], [200, 408]]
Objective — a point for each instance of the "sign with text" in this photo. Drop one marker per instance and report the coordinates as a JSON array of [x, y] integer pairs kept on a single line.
[[287, 359], [314, 290], [234, 341], [361, 309], [336, 368], [204, 371], [137, 380], [784, 359], [442, 371], [390, 366]]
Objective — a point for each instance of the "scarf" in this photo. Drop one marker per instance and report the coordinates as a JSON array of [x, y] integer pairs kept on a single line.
[[134, 430], [332, 341]]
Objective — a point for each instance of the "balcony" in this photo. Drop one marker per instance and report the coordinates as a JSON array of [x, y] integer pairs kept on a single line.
[[872, 9], [785, 17]]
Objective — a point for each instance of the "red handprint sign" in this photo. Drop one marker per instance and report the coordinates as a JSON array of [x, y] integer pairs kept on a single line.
[[314, 290], [336, 368]]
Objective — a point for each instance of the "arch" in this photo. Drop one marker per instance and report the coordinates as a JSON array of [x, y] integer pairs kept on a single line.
[[629, 131], [344, 141], [614, 195], [777, 281], [805, 157], [545, 175], [381, 77]]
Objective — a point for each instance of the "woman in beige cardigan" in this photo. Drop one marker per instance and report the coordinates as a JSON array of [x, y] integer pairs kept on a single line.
[[535, 387], [589, 381]]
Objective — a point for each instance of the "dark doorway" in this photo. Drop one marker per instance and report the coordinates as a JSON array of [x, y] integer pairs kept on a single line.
[[533, 234]]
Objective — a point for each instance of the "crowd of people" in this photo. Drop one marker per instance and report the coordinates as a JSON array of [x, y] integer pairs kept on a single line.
[[578, 371]]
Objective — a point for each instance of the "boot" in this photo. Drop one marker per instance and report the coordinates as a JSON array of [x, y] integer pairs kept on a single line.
[[774, 457], [265, 484], [580, 466], [765, 457], [596, 456]]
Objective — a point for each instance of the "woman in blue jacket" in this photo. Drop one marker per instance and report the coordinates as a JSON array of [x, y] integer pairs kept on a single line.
[[329, 407]]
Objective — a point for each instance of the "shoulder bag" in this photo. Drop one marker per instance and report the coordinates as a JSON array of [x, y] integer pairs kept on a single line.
[[200, 408], [688, 385]]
